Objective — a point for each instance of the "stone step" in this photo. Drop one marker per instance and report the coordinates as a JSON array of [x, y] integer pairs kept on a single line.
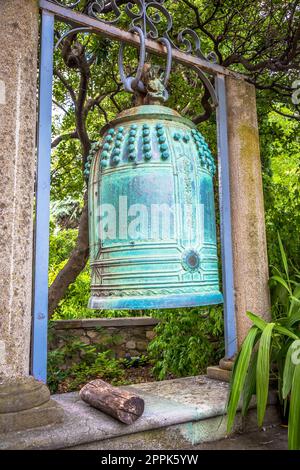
[[178, 413]]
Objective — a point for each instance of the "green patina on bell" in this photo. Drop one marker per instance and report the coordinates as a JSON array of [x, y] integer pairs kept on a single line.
[[151, 214]]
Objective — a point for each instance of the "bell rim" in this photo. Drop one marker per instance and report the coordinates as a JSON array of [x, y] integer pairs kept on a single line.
[[156, 302]]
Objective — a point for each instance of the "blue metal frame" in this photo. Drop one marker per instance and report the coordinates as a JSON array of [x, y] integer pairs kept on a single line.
[[41, 247], [225, 223]]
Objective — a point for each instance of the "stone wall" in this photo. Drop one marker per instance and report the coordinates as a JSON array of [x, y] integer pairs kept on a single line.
[[121, 335]]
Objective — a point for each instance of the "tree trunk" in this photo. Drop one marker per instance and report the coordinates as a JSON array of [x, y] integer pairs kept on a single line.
[[120, 404], [75, 264]]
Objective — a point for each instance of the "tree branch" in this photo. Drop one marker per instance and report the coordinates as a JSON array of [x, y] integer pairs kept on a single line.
[[76, 263], [62, 137], [291, 116], [60, 106], [205, 102], [66, 84]]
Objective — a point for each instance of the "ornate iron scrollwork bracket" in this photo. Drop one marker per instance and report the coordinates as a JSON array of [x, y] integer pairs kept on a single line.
[[150, 20]]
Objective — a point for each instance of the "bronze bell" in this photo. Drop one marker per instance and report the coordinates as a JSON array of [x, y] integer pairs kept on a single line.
[[152, 216]]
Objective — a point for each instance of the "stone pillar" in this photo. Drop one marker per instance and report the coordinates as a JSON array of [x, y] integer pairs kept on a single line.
[[250, 259], [18, 74]]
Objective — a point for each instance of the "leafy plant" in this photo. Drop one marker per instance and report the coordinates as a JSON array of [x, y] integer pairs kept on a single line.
[[95, 362], [56, 371], [186, 341], [285, 291], [280, 137], [137, 361], [272, 350], [104, 366]]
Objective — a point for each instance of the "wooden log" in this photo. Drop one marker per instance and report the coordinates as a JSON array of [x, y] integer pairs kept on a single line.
[[120, 404]]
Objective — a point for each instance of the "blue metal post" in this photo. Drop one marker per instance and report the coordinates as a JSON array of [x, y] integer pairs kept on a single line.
[[225, 214], [41, 248]]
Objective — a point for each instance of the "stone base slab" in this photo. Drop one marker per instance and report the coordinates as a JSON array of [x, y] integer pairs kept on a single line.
[[22, 394], [226, 364], [25, 403], [37, 417], [221, 372], [183, 436], [217, 373], [177, 412]]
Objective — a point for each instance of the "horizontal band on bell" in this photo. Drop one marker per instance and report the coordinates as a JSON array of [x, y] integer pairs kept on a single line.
[[155, 302]]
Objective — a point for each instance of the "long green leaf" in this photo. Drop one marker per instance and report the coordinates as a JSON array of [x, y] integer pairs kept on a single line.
[[239, 374], [250, 384], [296, 291], [295, 299], [280, 359], [263, 371], [258, 321], [288, 372], [294, 414], [282, 282], [294, 318], [283, 257], [286, 332], [275, 268], [294, 305]]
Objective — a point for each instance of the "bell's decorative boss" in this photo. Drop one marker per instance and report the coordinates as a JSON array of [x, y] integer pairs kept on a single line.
[[151, 214]]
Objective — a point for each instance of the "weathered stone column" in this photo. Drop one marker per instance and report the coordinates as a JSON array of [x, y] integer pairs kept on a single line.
[[251, 271], [18, 76], [250, 260]]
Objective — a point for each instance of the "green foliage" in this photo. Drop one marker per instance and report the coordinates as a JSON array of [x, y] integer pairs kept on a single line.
[[105, 367], [74, 304], [61, 245], [138, 361], [95, 362], [279, 346], [187, 341], [285, 291], [280, 147], [294, 415]]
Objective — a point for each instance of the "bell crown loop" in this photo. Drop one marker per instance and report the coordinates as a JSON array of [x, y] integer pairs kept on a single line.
[[149, 83]]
